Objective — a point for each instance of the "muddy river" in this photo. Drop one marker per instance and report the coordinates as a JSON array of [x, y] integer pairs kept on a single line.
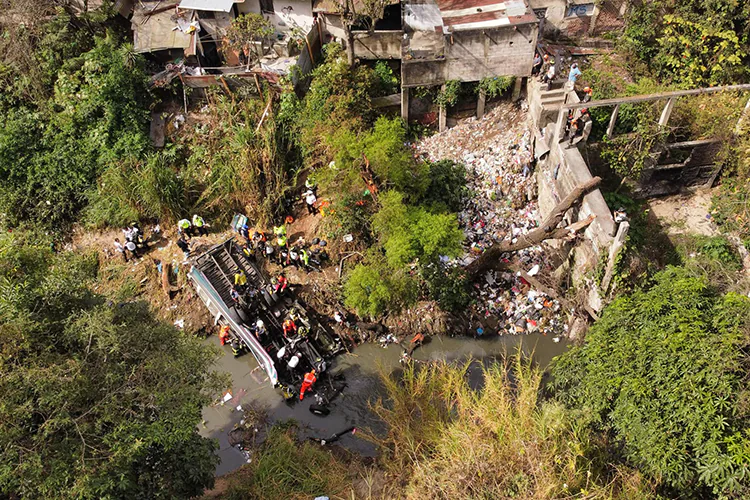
[[350, 408]]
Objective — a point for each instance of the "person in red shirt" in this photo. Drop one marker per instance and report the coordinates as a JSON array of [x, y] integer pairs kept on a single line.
[[307, 383], [289, 327], [281, 284]]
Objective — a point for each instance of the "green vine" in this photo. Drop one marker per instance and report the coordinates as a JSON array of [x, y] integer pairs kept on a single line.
[[449, 94]]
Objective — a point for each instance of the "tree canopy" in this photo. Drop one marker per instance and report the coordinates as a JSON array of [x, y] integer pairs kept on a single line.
[[100, 400], [664, 372]]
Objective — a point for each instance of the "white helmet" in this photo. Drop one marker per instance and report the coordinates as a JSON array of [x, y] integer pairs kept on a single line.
[[260, 324], [281, 352], [294, 361]]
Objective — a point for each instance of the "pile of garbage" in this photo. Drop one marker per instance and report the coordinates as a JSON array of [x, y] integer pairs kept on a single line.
[[497, 154]]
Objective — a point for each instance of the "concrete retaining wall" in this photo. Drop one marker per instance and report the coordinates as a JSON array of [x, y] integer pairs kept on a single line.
[[558, 173]]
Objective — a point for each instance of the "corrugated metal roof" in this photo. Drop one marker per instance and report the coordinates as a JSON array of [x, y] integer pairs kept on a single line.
[[152, 32], [458, 15], [213, 5], [477, 14]]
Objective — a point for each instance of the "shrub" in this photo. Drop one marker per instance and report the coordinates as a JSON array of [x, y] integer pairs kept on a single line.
[[408, 233], [447, 189], [663, 372], [373, 288]]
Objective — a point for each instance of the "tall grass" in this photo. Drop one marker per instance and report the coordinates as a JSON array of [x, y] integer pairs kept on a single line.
[[225, 165], [447, 440], [283, 468]]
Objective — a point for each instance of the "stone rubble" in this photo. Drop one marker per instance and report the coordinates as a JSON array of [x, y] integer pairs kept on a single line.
[[502, 204]]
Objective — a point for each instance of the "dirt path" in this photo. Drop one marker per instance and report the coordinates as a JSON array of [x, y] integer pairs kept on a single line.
[[685, 213]]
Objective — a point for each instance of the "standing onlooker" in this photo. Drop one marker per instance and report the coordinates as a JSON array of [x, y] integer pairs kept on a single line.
[[574, 73], [185, 228], [310, 200], [551, 72], [537, 67], [121, 249]]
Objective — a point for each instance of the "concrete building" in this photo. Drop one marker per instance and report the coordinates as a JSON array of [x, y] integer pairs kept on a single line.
[[574, 19]]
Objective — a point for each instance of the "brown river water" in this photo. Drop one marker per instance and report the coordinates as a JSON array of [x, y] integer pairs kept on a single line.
[[350, 408]]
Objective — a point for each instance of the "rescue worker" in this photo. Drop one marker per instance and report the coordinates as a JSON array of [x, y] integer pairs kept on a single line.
[[137, 235], [305, 258], [245, 232], [289, 327], [279, 230], [184, 246], [224, 334], [294, 257], [282, 252], [281, 284], [240, 280], [130, 246], [200, 225], [307, 383], [260, 329], [236, 347], [310, 183], [184, 227], [587, 93]]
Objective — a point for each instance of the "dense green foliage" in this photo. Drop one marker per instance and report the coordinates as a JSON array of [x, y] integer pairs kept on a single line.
[[663, 373], [52, 152], [691, 42], [495, 86], [100, 400], [446, 439]]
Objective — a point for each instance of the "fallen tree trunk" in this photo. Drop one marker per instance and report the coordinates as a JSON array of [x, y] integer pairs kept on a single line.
[[547, 230]]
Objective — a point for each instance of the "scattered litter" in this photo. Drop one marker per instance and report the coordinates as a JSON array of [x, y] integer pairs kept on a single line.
[[496, 152], [348, 238], [180, 323], [227, 397]]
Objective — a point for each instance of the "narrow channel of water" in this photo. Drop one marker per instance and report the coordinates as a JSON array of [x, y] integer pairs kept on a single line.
[[360, 368]]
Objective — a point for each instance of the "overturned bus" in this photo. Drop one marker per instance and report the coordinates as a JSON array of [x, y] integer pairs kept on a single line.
[[285, 359]]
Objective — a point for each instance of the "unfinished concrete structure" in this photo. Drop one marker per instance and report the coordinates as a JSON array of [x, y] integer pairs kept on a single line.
[[562, 167], [465, 40]]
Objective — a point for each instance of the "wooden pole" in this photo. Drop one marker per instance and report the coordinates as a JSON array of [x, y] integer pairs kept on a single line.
[[612, 122], [309, 50]]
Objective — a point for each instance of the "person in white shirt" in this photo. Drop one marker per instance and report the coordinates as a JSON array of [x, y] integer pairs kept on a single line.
[[310, 200]]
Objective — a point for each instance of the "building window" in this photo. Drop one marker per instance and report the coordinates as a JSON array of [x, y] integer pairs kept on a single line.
[[540, 13], [580, 10], [266, 6]]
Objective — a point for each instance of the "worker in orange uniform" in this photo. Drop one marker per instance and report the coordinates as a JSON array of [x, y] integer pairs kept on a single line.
[[307, 383], [224, 334]]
